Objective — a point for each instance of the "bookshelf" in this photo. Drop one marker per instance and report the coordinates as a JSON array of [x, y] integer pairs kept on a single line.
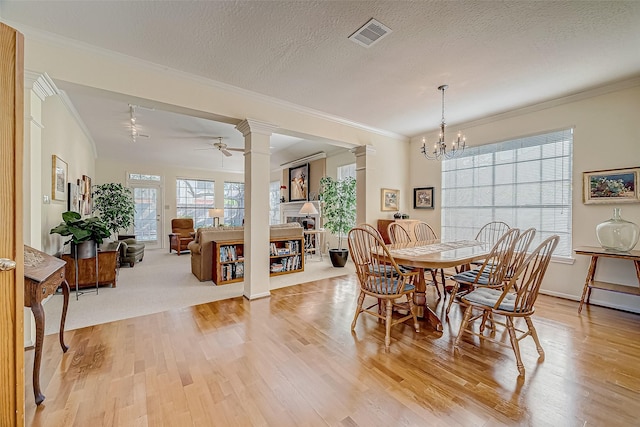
[[286, 256]]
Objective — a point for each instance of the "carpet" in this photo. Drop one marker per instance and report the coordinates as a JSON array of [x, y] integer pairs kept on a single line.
[[162, 282]]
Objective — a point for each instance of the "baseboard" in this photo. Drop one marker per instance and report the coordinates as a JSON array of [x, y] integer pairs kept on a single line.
[[257, 296], [593, 301]]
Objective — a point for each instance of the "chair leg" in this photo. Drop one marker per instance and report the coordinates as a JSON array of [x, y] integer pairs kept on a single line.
[[358, 310], [387, 332], [444, 283], [534, 334], [515, 345], [454, 291], [416, 326], [464, 324]]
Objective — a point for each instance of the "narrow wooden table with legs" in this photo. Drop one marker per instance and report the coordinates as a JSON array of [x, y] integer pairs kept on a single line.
[[435, 255], [590, 283], [43, 274]]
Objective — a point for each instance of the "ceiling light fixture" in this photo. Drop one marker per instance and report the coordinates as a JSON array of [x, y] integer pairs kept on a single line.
[[133, 119], [440, 147]]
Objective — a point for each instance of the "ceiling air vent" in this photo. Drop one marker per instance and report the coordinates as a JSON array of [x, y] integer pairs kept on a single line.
[[370, 33]]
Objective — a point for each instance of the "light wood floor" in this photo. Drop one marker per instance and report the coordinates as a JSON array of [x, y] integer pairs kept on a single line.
[[291, 360]]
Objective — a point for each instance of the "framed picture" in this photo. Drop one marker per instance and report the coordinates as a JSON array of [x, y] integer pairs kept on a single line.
[[299, 183], [611, 186], [86, 195], [58, 179], [73, 200], [423, 198], [390, 199]]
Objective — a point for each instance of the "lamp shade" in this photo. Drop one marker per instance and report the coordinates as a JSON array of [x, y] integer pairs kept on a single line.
[[308, 209], [216, 213]]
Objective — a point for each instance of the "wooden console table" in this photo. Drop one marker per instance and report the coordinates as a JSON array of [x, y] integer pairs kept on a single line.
[[43, 274], [590, 283]]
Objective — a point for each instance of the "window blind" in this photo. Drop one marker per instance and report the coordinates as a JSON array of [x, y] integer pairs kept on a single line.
[[194, 197], [525, 182]]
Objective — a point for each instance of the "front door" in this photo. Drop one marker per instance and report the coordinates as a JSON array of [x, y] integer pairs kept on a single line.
[[148, 218], [11, 242]]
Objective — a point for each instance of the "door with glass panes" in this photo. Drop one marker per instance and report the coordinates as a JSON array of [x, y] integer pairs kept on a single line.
[[148, 217]]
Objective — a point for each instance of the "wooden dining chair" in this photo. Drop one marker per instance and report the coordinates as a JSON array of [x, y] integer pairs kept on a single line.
[[399, 234], [424, 232], [520, 252], [492, 271], [517, 299], [372, 260], [491, 232]]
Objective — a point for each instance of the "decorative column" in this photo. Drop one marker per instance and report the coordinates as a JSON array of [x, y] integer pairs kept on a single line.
[[257, 172], [364, 194]]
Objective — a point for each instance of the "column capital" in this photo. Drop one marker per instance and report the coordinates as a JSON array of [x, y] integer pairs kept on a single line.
[[248, 126], [363, 150], [41, 84]]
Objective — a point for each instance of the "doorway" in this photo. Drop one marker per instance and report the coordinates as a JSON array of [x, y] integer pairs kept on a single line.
[[148, 217]]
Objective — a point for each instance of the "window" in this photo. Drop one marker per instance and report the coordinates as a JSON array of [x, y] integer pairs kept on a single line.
[[143, 177], [346, 171], [525, 182], [194, 197], [274, 202], [233, 203]]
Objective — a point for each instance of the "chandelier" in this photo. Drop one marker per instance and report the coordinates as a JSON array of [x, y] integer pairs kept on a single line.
[[440, 150]]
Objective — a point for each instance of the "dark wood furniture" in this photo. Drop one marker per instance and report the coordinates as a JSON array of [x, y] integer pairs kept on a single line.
[[435, 255], [286, 256], [182, 233], [383, 225], [591, 283], [43, 274], [107, 267]]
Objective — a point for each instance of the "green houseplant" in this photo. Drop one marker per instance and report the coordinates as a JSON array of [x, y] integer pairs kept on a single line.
[[83, 233], [339, 212], [115, 205]]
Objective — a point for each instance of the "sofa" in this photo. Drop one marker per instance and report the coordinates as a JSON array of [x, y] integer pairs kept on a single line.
[[202, 247]]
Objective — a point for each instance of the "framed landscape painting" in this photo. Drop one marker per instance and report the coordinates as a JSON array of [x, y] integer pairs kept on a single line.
[[611, 186], [423, 198], [390, 199]]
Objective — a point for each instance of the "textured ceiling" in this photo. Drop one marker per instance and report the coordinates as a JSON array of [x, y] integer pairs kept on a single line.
[[495, 55]]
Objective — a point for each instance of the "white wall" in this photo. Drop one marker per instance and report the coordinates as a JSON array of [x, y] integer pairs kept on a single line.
[[61, 136], [606, 136], [109, 170]]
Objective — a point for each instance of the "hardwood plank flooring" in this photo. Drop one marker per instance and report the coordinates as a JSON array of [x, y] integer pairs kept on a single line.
[[291, 360]]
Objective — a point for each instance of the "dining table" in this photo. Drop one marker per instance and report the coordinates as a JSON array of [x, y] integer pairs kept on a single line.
[[436, 254]]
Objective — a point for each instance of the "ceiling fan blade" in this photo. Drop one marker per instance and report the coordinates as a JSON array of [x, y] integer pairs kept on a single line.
[[236, 149], [225, 152]]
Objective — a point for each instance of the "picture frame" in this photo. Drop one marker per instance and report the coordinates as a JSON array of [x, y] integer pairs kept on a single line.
[[59, 169], [389, 200], [611, 186], [73, 200], [299, 183], [86, 195], [423, 198]]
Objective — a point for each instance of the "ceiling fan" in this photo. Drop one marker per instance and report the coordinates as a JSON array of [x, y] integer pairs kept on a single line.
[[222, 147]]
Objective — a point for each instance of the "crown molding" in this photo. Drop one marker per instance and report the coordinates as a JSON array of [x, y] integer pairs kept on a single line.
[[41, 84], [65, 42]]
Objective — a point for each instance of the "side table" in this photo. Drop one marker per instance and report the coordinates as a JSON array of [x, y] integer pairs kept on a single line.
[[590, 283], [43, 274]]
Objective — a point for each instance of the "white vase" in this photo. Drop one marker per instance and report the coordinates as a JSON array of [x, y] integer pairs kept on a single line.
[[617, 234]]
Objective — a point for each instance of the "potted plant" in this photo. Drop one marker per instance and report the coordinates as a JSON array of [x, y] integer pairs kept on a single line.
[[115, 205], [339, 212], [85, 233]]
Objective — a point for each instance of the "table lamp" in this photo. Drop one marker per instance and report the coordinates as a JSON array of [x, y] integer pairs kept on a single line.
[[308, 209], [216, 214]]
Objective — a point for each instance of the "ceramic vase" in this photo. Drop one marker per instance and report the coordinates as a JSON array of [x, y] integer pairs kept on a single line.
[[617, 234]]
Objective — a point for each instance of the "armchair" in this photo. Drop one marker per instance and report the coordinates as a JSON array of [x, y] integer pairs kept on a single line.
[[182, 233], [131, 251]]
